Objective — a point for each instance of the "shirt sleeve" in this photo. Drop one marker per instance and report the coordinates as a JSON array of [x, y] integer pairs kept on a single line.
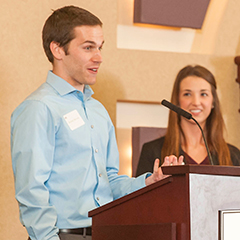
[[120, 184], [32, 147]]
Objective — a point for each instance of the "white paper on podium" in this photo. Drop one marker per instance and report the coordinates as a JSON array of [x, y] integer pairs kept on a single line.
[[229, 224]]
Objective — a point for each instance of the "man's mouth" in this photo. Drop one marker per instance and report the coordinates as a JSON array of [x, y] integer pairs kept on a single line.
[[93, 69]]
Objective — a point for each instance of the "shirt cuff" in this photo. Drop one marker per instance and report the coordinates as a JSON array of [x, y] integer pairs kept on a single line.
[[148, 175], [139, 182]]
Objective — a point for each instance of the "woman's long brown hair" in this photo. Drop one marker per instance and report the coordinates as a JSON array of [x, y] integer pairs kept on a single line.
[[214, 125]]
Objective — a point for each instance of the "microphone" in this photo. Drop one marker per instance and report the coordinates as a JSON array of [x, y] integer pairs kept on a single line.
[[187, 115]]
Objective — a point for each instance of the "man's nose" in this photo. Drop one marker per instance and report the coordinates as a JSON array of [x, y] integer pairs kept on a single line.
[[97, 56]]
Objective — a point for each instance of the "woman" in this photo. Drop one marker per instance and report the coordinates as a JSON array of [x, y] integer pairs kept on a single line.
[[194, 91]]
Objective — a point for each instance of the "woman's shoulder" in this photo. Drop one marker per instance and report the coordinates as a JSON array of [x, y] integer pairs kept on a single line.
[[233, 148], [235, 154], [154, 143]]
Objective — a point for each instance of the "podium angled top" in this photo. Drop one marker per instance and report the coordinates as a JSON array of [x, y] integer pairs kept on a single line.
[[202, 169], [130, 196]]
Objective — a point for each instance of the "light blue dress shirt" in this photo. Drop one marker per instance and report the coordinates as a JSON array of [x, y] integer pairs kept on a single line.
[[65, 159]]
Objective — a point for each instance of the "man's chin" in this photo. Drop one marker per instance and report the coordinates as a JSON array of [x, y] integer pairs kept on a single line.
[[92, 82]]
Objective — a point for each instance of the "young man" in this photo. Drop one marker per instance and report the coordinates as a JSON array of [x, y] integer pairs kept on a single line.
[[64, 151]]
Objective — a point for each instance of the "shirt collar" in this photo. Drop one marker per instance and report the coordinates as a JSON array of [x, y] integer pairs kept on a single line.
[[64, 88]]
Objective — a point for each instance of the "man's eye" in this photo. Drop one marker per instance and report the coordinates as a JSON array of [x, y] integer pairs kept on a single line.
[[88, 48]]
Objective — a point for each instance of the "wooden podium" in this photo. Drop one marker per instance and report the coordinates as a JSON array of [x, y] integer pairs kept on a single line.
[[183, 206]]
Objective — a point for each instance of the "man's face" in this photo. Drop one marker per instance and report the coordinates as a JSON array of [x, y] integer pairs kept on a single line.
[[80, 65]]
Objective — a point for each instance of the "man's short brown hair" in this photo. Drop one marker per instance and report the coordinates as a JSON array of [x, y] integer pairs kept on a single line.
[[59, 27]]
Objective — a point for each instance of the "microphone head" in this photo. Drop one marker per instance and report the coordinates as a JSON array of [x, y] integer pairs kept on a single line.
[[176, 109]]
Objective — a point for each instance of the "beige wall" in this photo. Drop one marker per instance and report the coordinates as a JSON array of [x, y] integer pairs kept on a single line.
[[125, 74]]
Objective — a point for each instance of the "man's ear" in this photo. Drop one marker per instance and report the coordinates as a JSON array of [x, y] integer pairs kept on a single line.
[[56, 50]]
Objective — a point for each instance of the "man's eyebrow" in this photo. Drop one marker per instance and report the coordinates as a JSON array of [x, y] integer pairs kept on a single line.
[[88, 41], [92, 42]]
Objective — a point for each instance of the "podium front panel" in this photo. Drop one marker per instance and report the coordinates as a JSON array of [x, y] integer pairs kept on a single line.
[[164, 202]]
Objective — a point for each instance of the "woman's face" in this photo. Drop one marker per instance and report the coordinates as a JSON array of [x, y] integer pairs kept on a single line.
[[195, 97]]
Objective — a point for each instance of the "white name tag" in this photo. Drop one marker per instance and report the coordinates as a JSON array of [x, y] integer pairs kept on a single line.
[[73, 120]]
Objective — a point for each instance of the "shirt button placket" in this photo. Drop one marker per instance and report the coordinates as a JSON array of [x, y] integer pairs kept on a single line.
[[100, 175]]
